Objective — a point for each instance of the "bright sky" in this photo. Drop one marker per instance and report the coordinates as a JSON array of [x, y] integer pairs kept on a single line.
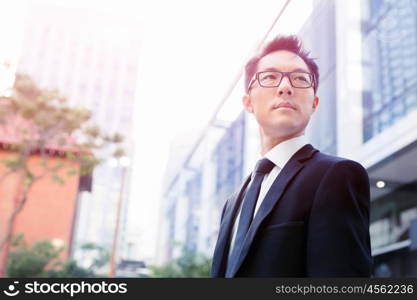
[[191, 51]]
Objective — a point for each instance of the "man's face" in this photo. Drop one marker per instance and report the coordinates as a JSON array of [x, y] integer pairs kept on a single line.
[[283, 111]]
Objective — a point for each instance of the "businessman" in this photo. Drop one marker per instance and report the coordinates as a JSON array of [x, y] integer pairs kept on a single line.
[[301, 213]]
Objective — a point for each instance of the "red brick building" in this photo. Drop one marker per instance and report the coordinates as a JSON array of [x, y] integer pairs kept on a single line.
[[50, 210]]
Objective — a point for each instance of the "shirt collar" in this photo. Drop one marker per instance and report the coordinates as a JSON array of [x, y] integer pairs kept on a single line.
[[282, 152]]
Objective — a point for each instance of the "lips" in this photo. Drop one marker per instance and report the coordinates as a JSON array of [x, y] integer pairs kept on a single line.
[[283, 104]]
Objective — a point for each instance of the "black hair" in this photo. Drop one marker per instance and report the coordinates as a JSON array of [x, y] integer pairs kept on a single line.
[[289, 43]]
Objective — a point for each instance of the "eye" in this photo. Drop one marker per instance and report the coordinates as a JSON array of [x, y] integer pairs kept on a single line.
[[269, 77], [301, 78]]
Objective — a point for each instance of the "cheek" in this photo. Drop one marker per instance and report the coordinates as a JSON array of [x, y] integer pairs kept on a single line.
[[306, 105], [305, 114], [259, 107]]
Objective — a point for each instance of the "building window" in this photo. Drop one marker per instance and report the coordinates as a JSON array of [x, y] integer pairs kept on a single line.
[[389, 34]]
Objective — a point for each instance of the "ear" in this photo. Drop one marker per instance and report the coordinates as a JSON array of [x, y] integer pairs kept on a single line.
[[315, 102], [247, 103]]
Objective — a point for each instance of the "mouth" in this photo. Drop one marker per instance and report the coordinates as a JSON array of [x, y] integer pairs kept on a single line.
[[283, 105]]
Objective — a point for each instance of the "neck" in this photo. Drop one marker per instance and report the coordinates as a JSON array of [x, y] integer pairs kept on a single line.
[[269, 142]]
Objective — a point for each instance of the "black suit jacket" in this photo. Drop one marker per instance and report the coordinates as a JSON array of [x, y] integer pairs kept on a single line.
[[313, 222]]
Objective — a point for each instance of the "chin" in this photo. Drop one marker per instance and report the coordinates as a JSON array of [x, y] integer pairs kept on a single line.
[[282, 131], [285, 126]]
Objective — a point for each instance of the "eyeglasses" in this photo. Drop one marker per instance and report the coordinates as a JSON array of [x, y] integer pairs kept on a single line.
[[271, 79]]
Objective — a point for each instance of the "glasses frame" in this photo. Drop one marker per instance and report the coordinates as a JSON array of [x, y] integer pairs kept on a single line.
[[284, 74]]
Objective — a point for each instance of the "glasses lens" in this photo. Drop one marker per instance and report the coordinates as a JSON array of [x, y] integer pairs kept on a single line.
[[301, 79], [269, 79]]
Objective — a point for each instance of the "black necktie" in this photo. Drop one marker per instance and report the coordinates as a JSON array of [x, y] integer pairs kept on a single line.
[[263, 167]]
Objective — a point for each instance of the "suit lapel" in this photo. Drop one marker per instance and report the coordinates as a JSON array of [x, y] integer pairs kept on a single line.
[[223, 243], [290, 170]]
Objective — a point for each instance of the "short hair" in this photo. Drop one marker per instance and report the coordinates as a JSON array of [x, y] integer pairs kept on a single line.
[[289, 43]]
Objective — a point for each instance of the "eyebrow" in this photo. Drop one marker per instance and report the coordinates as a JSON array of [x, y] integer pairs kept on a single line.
[[276, 70]]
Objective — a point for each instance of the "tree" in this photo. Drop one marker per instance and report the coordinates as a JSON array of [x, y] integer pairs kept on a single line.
[[31, 261], [188, 264], [99, 257], [70, 269], [38, 120], [42, 260]]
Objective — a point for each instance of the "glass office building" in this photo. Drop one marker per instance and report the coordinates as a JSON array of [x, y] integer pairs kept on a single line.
[[390, 63], [229, 158], [389, 35]]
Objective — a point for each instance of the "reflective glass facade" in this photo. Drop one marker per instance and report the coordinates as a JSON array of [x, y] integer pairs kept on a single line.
[[229, 156], [389, 33], [193, 192]]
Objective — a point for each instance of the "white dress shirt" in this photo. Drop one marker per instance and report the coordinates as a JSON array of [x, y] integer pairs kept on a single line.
[[279, 155]]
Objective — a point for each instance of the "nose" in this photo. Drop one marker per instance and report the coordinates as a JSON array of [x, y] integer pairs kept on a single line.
[[285, 87]]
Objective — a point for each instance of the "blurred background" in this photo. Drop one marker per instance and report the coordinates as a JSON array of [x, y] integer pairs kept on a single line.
[[122, 131]]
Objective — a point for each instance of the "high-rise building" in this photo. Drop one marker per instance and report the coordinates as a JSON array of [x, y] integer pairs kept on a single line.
[[91, 57], [10, 50], [389, 100]]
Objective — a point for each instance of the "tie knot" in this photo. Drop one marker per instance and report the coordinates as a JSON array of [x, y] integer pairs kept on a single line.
[[264, 166]]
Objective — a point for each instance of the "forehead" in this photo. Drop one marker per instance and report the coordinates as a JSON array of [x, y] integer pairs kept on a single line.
[[283, 61]]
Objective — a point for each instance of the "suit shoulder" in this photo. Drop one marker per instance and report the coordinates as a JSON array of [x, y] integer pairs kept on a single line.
[[326, 161]]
